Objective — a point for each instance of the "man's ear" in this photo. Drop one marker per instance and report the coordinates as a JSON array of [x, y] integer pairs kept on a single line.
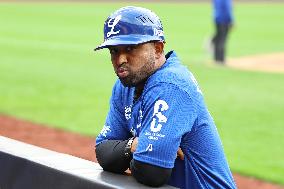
[[159, 48]]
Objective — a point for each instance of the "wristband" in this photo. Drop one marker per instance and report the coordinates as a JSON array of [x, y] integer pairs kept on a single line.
[[127, 149]]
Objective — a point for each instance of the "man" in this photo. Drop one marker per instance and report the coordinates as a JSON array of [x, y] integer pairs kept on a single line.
[[223, 19], [158, 124]]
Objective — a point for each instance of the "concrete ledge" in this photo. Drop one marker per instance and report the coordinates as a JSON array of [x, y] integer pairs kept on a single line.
[[26, 166]]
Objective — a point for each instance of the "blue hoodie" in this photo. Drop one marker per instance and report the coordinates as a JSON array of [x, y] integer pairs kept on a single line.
[[223, 11]]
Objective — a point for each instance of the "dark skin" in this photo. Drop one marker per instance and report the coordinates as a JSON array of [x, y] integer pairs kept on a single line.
[[133, 64]]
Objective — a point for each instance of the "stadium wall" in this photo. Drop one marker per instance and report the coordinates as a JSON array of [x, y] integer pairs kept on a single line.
[[26, 166]]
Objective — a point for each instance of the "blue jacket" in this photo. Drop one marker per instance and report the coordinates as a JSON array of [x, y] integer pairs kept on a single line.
[[223, 13], [171, 113]]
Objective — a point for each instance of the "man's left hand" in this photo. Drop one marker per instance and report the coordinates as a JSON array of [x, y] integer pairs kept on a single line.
[[180, 154]]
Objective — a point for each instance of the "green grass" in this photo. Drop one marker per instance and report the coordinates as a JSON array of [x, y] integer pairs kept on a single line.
[[248, 110], [49, 73]]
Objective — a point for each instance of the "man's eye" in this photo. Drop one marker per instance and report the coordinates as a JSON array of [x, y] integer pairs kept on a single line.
[[129, 48], [112, 51]]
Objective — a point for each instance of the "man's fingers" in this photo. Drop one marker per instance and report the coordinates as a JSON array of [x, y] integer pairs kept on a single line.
[[134, 145], [180, 154]]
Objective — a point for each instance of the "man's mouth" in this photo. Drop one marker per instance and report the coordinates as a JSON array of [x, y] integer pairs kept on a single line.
[[122, 72]]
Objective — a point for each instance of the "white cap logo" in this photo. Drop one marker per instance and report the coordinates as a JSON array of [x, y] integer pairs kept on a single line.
[[112, 23], [158, 32]]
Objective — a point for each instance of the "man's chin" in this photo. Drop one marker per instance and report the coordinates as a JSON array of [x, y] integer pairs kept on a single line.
[[126, 83]]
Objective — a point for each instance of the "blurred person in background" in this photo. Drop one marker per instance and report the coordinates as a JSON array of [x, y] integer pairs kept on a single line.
[[158, 125], [223, 19]]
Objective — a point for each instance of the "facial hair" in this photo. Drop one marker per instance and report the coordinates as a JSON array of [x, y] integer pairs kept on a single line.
[[141, 75]]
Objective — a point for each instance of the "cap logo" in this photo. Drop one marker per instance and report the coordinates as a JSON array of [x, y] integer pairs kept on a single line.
[[158, 32], [111, 24]]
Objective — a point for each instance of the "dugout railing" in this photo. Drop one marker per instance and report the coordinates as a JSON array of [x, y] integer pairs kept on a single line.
[[24, 166]]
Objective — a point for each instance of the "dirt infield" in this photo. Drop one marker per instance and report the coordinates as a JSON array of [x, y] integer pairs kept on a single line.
[[265, 63], [81, 146]]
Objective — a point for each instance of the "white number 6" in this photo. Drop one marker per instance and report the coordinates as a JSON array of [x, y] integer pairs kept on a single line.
[[157, 114]]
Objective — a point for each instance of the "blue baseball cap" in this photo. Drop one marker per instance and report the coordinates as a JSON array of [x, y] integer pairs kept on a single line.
[[131, 25]]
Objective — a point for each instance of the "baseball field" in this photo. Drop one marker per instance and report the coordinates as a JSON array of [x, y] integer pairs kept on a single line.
[[49, 73]]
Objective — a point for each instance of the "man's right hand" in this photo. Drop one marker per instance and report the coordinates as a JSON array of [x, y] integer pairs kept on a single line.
[[134, 145]]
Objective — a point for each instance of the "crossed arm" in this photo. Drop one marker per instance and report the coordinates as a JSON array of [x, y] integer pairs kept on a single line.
[[111, 156]]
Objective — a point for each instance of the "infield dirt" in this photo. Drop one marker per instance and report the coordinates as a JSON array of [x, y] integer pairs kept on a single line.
[[265, 63]]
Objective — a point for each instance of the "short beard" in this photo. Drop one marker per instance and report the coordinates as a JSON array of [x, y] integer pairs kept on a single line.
[[134, 79]]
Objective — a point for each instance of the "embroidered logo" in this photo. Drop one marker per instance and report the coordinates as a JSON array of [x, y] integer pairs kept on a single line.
[[105, 130], [140, 119], [158, 32], [133, 132], [111, 24], [195, 83], [149, 148], [127, 112]]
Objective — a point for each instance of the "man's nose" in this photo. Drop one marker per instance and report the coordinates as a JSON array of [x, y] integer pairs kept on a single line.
[[121, 59]]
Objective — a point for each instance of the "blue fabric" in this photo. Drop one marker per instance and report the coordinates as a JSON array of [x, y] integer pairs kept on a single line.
[[223, 13], [170, 113]]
